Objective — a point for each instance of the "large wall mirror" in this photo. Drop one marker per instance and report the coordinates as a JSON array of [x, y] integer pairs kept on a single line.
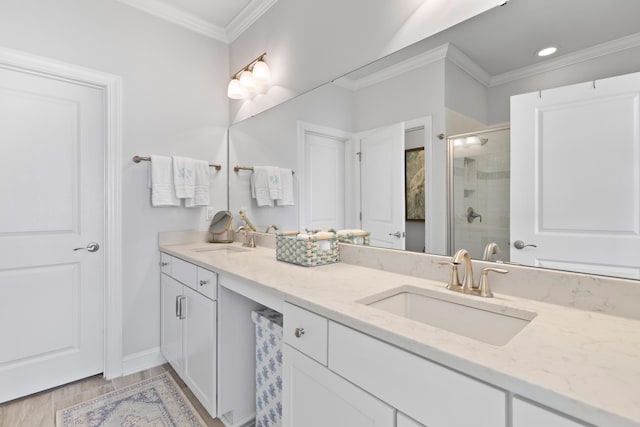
[[447, 100]]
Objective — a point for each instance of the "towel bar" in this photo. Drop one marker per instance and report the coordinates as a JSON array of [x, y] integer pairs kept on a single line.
[[138, 159], [237, 168]]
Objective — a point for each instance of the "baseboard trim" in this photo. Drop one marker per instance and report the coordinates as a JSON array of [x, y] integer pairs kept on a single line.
[[140, 361]]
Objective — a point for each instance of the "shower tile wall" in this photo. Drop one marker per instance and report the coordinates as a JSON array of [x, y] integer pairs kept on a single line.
[[481, 180]]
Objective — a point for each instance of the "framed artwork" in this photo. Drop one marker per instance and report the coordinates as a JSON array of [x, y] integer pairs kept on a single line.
[[414, 184]]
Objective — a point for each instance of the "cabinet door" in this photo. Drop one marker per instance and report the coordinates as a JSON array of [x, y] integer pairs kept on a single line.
[[404, 421], [170, 323], [316, 397], [528, 415], [199, 342]]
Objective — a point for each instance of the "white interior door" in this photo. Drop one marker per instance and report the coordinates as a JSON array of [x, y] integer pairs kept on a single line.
[[578, 202], [322, 195], [52, 188], [382, 186]]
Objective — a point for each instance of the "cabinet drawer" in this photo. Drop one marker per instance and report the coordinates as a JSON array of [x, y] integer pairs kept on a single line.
[[427, 392], [165, 263], [207, 283], [306, 332], [526, 414], [184, 272]]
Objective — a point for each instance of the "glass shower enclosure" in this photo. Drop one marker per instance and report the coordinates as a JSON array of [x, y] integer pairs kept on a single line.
[[479, 173]]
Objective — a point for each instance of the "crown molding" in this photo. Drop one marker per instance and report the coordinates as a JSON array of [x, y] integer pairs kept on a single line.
[[394, 70], [467, 64], [247, 16], [587, 54], [176, 16]]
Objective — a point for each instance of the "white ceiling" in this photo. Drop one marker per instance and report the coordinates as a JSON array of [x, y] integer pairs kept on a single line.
[[223, 20], [504, 40]]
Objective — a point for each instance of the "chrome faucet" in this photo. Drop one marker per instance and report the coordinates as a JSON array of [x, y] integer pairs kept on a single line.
[[467, 280], [249, 240]]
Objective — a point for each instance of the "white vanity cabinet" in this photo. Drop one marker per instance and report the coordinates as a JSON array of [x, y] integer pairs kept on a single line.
[[313, 396], [188, 326], [403, 421], [526, 414]]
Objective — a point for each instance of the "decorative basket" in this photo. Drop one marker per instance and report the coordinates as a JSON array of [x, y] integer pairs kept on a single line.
[[308, 253], [355, 237]]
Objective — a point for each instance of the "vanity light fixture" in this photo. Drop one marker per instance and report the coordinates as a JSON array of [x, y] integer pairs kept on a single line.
[[547, 51], [251, 79]]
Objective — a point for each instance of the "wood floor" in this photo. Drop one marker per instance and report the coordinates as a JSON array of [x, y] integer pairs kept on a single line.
[[39, 410]]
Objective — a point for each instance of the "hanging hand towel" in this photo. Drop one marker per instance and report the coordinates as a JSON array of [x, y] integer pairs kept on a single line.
[[275, 182], [161, 177], [286, 176], [201, 187], [183, 177], [260, 186]]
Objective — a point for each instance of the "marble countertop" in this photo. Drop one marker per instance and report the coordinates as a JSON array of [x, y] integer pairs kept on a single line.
[[582, 363]]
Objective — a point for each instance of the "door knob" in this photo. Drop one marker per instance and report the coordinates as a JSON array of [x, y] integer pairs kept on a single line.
[[519, 244], [91, 247], [397, 234]]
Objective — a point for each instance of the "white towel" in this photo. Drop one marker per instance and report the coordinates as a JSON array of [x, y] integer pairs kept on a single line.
[[274, 182], [201, 187], [286, 176], [260, 186], [184, 178], [161, 177]]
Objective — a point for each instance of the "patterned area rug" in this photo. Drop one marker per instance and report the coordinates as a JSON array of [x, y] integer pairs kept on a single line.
[[156, 402]]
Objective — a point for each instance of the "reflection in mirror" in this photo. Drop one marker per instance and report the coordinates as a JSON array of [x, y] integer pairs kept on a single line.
[[456, 82]]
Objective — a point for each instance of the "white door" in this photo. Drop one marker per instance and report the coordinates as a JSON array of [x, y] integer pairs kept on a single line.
[[382, 186], [323, 181], [200, 347], [313, 396], [171, 322], [52, 190], [575, 177]]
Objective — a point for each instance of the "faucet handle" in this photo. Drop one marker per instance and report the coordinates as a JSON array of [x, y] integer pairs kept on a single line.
[[454, 280], [485, 289]]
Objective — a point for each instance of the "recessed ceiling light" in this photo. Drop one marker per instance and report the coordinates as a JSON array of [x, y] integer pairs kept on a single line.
[[547, 51]]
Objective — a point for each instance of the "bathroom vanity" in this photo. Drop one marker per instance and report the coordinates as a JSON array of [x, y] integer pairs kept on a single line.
[[355, 355]]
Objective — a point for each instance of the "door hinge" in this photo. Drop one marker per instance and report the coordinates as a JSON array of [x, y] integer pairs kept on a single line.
[[360, 215], [359, 154]]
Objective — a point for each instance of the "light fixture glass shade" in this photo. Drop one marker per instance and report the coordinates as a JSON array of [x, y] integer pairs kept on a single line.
[[235, 90], [261, 73], [547, 51], [246, 80]]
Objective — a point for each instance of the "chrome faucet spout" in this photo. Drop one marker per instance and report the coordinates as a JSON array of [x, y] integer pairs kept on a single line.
[[462, 256]]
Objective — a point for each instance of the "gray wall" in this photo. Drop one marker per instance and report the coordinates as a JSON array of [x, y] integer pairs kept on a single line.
[[174, 84]]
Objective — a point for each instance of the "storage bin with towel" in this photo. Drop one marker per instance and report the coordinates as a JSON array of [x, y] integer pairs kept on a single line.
[[308, 250]]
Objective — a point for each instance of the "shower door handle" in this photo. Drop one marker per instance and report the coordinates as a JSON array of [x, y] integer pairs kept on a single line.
[[397, 234]]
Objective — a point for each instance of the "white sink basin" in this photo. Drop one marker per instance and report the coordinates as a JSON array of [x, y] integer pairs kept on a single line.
[[471, 317], [221, 249]]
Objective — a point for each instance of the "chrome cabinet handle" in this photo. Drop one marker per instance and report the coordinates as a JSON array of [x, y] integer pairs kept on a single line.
[[519, 244], [396, 234], [178, 306], [164, 264], [298, 332], [91, 247], [183, 311], [203, 282]]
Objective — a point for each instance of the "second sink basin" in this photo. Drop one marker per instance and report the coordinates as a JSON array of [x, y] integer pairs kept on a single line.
[[477, 319]]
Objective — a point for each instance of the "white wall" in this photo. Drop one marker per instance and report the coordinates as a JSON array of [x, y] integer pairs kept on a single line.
[[174, 99], [310, 42]]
